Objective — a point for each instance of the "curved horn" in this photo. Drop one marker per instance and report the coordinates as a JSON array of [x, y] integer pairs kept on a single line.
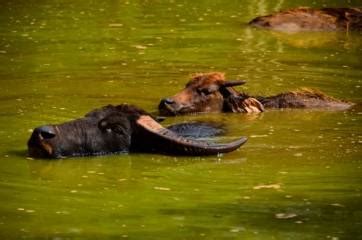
[[232, 83], [168, 141]]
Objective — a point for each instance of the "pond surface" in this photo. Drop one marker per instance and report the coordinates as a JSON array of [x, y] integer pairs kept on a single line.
[[298, 176]]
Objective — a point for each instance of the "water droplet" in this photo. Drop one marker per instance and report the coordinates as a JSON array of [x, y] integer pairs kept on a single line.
[[285, 215], [162, 188], [337, 205], [270, 186]]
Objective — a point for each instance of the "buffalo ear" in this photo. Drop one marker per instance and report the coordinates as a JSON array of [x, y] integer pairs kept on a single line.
[[233, 83], [117, 123], [243, 104]]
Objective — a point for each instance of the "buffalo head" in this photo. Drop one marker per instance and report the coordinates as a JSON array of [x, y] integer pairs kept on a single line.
[[115, 129], [209, 92]]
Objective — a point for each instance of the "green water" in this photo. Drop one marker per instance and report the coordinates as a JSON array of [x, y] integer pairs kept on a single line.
[[298, 176]]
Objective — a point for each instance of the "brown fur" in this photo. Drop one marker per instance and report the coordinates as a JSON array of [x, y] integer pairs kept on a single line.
[[309, 19], [204, 79], [303, 98], [207, 93]]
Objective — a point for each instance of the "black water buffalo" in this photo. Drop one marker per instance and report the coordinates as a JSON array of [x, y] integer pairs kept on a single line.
[[116, 129], [210, 92], [309, 19]]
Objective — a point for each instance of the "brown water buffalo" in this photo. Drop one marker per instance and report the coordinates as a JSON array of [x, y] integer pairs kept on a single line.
[[309, 19], [210, 92], [117, 129]]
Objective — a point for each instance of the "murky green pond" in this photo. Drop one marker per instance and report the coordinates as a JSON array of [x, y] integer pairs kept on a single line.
[[298, 177]]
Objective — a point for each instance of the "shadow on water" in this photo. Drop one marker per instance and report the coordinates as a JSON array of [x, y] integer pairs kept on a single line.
[[18, 153]]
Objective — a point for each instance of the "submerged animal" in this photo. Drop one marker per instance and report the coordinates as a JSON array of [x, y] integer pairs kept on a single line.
[[210, 92], [117, 129], [310, 19]]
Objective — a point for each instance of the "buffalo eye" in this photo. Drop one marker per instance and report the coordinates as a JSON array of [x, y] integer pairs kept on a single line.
[[208, 90], [103, 125], [115, 123], [203, 91]]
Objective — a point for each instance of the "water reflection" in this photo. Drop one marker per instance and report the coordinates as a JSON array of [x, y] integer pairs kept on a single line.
[[75, 169], [112, 168], [347, 41]]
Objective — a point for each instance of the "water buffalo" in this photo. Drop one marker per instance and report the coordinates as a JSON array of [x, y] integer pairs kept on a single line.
[[116, 129], [309, 19], [210, 92]]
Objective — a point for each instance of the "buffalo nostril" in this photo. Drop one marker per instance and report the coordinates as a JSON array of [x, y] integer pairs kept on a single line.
[[46, 132], [168, 101]]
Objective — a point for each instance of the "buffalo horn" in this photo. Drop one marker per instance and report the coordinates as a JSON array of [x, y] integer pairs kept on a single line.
[[171, 142], [232, 83]]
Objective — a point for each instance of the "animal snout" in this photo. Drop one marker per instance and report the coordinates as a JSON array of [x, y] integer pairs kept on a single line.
[[45, 132], [167, 101], [168, 106], [39, 144]]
